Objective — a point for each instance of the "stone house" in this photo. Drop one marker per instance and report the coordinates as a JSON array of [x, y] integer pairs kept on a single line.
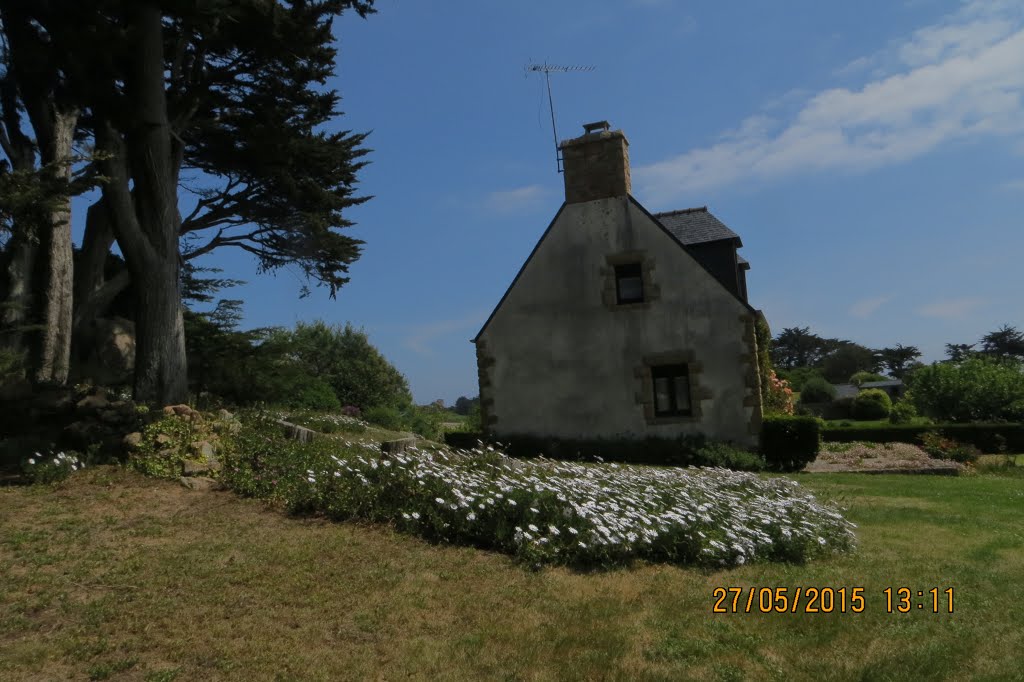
[[622, 323]]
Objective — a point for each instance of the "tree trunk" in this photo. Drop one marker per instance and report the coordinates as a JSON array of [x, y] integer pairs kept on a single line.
[[56, 302], [92, 260], [22, 248], [17, 305], [161, 370], [144, 212]]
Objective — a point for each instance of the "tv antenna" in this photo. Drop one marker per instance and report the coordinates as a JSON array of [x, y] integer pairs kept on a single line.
[[547, 70]]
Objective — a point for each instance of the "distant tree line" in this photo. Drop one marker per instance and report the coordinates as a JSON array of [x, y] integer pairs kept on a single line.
[[799, 354]]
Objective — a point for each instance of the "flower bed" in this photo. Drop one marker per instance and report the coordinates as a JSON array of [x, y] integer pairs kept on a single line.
[[544, 511], [878, 457]]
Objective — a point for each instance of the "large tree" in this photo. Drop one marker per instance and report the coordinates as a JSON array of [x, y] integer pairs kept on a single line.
[[1005, 342], [37, 312], [233, 90], [898, 359], [796, 347]]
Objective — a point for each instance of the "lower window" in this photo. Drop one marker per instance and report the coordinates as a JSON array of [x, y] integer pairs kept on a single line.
[[671, 390]]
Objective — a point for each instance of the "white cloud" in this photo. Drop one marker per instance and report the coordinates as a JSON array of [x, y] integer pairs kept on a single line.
[[518, 199], [952, 308], [866, 307], [422, 336], [961, 78]]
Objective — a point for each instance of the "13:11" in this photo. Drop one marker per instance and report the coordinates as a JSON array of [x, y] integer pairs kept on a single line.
[[902, 600]]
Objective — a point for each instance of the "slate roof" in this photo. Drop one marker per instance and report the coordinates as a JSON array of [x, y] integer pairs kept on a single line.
[[882, 384], [846, 391], [696, 226]]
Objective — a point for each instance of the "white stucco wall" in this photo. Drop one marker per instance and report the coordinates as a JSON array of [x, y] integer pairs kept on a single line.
[[558, 362]]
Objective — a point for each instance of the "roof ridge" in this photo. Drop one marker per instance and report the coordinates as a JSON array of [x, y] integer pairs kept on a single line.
[[695, 209]]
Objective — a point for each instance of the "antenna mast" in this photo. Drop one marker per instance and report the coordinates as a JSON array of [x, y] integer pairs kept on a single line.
[[547, 70]]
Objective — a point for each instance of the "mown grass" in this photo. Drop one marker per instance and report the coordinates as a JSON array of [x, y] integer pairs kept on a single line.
[[114, 576]]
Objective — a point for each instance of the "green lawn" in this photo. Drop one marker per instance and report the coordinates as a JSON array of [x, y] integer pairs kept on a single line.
[[114, 576]]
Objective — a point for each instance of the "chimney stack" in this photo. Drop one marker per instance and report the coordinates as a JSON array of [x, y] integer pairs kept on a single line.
[[596, 164]]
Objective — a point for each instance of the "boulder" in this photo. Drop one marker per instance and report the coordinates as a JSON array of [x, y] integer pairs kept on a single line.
[[204, 449], [111, 354], [193, 467], [200, 483], [132, 441], [93, 403]]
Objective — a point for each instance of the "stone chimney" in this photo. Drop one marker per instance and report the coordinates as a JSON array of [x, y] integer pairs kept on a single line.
[[596, 165]]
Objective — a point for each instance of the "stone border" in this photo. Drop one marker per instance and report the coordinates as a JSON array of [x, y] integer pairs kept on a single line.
[[484, 362], [752, 376]]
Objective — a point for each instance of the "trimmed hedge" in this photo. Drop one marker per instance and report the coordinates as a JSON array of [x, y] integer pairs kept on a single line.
[[669, 451], [681, 451], [986, 437], [790, 443]]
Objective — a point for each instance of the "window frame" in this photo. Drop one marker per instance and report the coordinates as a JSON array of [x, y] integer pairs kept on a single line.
[[636, 271], [672, 372]]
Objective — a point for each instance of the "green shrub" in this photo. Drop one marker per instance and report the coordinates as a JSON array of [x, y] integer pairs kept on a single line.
[[728, 457], [873, 403], [424, 421], [903, 412], [989, 438], [51, 468], [798, 376], [840, 408], [863, 377], [817, 390], [939, 447], [12, 365], [316, 394], [790, 443], [385, 417], [976, 389]]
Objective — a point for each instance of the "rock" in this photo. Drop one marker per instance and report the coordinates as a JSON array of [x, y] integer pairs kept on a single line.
[[111, 355], [192, 467], [163, 439], [224, 414], [93, 403], [204, 449], [111, 416], [201, 483], [233, 426], [132, 441], [180, 410]]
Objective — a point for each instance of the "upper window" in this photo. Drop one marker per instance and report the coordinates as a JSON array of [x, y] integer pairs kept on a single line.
[[629, 283], [671, 391]]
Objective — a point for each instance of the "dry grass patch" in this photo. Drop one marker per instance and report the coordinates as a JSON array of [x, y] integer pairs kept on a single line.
[[114, 576]]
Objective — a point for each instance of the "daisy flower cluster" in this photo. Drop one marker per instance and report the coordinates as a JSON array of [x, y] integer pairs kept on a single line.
[[49, 468], [549, 512], [326, 422]]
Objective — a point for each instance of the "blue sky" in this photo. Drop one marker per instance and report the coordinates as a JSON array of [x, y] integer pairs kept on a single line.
[[870, 155]]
